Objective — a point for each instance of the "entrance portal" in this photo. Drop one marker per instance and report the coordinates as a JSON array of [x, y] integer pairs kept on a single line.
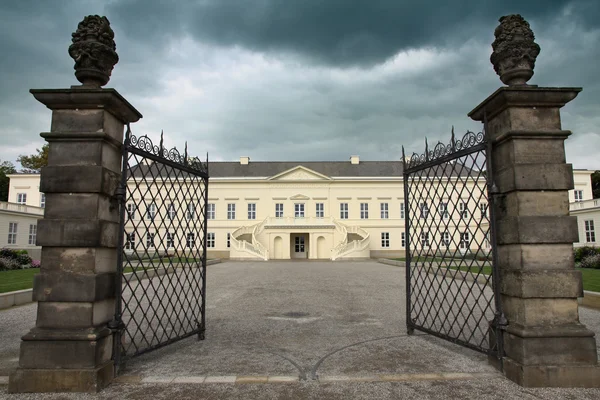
[[299, 245]]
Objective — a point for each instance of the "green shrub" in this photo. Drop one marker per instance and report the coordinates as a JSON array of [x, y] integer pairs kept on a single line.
[[8, 264], [592, 261], [582, 252]]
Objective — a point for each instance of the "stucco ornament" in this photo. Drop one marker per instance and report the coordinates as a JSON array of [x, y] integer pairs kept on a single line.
[[515, 51], [93, 50]]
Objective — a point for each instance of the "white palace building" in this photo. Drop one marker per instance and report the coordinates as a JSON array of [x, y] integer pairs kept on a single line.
[[292, 210]]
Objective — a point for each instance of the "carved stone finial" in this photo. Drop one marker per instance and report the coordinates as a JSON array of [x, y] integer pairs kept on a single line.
[[93, 50], [514, 50]]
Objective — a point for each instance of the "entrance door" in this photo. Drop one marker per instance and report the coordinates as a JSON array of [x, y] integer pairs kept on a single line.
[[299, 247]]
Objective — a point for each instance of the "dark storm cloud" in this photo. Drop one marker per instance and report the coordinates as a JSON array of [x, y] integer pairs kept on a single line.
[[335, 32]]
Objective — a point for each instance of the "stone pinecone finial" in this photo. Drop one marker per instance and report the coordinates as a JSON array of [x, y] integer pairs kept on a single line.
[[515, 50], [93, 50]]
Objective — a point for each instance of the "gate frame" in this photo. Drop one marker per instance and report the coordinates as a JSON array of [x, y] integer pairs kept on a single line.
[[171, 158], [431, 159]]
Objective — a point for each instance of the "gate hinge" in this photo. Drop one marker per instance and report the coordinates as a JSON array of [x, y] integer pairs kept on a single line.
[[500, 321], [116, 325], [118, 197]]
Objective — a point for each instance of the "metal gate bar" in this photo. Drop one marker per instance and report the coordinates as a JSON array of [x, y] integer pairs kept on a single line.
[[161, 277], [450, 244]]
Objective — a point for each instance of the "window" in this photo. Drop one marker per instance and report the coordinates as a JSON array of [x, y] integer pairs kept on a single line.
[[343, 210], [464, 240], [443, 210], [42, 200], [299, 244], [251, 211], [403, 239], [424, 210], [279, 210], [464, 211], [364, 210], [384, 210], [487, 243], [190, 240], [299, 210], [231, 211], [21, 198], [151, 212], [12, 233], [170, 240], [171, 212], [190, 212], [32, 233], [385, 239], [228, 240], [210, 211], [150, 240], [210, 239], [578, 195], [590, 232], [320, 211], [401, 210], [483, 210], [130, 243], [424, 239], [445, 239], [130, 210]]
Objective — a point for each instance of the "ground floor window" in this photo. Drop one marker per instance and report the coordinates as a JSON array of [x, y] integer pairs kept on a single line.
[[464, 240], [190, 241], [445, 239], [299, 244], [403, 239], [424, 239], [590, 232], [12, 233], [210, 239], [150, 240], [228, 240], [385, 239], [32, 233], [130, 243], [170, 240]]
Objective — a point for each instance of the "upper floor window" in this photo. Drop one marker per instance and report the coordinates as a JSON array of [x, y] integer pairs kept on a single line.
[[483, 210], [131, 210], [231, 211], [578, 195], [21, 198], [279, 210], [443, 210], [463, 209], [251, 211], [320, 210], [210, 211], [384, 210], [191, 211], [343, 210], [171, 212], [424, 210], [151, 211], [12, 232], [590, 232], [364, 210], [42, 200], [299, 210], [385, 239]]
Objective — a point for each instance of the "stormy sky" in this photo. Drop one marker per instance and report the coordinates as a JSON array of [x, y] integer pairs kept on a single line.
[[299, 79]]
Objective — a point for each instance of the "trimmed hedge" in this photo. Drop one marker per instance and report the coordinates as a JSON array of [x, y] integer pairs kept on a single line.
[[15, 259]]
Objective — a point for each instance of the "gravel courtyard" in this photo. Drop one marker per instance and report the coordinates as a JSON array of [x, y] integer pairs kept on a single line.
[[331, 327]]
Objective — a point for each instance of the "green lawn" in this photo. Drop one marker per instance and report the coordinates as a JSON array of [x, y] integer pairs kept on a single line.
[[17, 280]]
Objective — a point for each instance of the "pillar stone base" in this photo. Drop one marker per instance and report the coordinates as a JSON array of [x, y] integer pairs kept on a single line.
[[90, 380], [564, 376]]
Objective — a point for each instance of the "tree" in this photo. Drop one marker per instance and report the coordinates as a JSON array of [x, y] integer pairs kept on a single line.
[[596, 184], [35, 162], [6, 168]]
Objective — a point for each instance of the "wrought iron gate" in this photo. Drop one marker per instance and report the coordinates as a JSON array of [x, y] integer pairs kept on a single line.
[[162, 257], [450, 244]]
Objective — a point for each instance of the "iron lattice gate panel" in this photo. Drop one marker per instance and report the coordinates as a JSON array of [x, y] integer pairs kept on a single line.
[[450, 259], [162, 262]]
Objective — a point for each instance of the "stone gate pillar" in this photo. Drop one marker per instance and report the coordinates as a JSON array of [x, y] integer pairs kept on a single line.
[[544, 342], [70, 347]]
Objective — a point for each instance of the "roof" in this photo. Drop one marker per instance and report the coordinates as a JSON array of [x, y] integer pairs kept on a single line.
[[334, 169]]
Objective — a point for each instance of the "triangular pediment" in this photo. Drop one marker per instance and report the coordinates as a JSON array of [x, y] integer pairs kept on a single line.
[[300, 173], [299, 197]]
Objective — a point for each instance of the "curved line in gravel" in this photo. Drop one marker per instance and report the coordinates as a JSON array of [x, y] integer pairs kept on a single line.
[[302, 375], [313, 371]]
